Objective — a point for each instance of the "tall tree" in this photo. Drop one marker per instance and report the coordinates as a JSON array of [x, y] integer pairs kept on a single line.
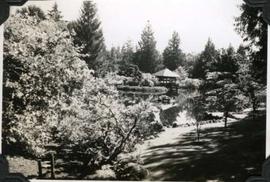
[[88, 35], [205, 60], [173, 56], [55, 14], [147, 57], [227, 61], [253, 29]]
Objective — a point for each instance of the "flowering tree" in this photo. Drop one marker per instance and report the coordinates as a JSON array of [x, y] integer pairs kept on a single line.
[[42, 67]]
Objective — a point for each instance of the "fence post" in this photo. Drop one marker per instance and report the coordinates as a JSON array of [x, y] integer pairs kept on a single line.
[[52, 166], [39, 168]]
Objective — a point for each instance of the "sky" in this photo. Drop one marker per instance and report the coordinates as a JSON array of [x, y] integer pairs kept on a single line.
[[194, 20]]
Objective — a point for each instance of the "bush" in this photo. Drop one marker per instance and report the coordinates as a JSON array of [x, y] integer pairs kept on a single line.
[[148, 80], [168, 116], [128, 170], [105, 173], [189, 83]]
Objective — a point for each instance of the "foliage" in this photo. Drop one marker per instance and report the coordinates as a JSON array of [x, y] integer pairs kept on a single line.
[[105, 128], [56, 99], [190, 83], [128, 53], [251, 26], [33, 11], [181, 72], [204, 61], [147, 57], [173, 56], [55, 14], [131, 71], [224, 95], [248, 84], [43, 68], [148, 80], [87, 35]]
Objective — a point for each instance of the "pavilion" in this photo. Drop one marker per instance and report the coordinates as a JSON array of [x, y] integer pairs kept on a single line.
[[166, 76]]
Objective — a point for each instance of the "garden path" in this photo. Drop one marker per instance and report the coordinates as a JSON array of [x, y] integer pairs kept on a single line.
[[170, 153]]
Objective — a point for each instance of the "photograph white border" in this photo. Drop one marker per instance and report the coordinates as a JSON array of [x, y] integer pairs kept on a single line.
[[267, 141]]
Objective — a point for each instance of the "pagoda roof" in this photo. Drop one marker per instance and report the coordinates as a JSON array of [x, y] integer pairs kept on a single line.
[[166, 73]]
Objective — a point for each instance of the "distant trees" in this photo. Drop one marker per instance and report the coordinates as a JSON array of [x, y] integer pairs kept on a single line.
[[221, 88], [55, 14], [204, 61], [173, 57], [88, 35], [147, 57]]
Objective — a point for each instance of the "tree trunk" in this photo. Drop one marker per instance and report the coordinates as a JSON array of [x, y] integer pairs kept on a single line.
[[198, 132], [226, 113]]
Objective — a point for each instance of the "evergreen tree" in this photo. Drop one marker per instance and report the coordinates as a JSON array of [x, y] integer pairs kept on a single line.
[[147, 57], [227, 61], [173, 56], [88, 35], [55, 14], [253, 29], [205, 61], [127, 52]]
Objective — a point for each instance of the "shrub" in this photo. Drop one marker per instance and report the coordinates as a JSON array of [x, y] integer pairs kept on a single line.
[[128, 170], [148, 80]]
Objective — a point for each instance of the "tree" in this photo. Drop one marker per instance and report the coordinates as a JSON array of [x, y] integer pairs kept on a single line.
[[205, 60], [147, 57], [127, 52], [113, 60], [54, 98], [226, 62], [88, 35], [44, 68], [55, 14], [248, 84], [173, 56], [33, 11], [253, 29]]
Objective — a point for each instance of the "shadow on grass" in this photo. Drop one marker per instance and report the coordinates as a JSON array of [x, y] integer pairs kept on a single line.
[[231, 154]]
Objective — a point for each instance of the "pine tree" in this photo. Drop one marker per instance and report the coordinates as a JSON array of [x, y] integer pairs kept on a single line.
[[173, 56], [55, 14], [205, 61], [88, 35], [147, 57]]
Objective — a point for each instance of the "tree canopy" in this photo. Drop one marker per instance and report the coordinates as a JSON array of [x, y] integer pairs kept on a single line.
[[147, 57], [173, 56], [253, 29], [87, 34]]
